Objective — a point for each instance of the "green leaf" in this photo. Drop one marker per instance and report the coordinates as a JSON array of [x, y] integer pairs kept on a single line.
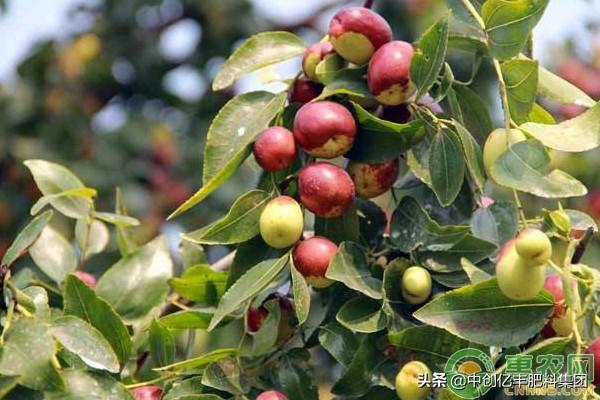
[[85, 193], [162, 344], [558, 89], [339, 229], [362, 314], [350, 266], [578, 134], [199, 363], [448, 260], [473, 111], [239, 225], [137, 284], [417, 159], [188, 319], [446, 166], [525, 166], [301, 294], [85, 341], [372, 221], [39, 298], [247, 286], [229, 139], [256, 52], [200, 284], [496, 223], [327, 69], [191, 254], [89, 385], [394, 305], [482, 314], [339, 342], [27, 352], [473, 156], [92, 237], [348, 81], [378, 140], [431, 345], [52, 179], [225, 375], [470, 44], [413, 227], [187, 389], [509, 23], [248, 254], [539, 115], [82, 302], [475, 274], [295, 379], [429, 58], [264, 340], [25, 238], [122, 221], [521, 78], [127, 244], [53, 254]]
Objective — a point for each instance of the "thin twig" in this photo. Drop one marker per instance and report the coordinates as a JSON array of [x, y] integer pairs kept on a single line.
[[368, 3]]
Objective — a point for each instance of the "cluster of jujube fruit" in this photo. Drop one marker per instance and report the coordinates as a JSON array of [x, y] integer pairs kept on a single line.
[[325, 129]]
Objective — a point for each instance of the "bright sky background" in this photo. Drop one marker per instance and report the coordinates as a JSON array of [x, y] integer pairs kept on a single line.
[[28, 21]]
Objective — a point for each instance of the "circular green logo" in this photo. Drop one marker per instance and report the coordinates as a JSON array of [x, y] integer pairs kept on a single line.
[[469, 373]]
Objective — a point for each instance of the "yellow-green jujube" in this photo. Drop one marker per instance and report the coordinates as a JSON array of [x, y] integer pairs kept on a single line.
[[281, 222], [497, 143], [407, 381]]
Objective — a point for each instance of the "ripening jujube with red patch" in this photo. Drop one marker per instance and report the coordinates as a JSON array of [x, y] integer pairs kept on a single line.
[[312, 258], [388, 75], [149, 392], [325, 189], [275, 149], [304, 90], [561, 320], [356, 33], [373, 179], [313, 56], [271, 395], [324, 129]]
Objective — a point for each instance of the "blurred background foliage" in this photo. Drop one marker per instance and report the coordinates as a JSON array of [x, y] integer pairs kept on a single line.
[[125, 101]]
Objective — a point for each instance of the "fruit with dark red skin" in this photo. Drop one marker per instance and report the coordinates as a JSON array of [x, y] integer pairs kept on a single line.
[[518, 278], [150, 392], [561, 320], [372, 180], [281, 223], [304, 90], [407, 381], [313, 56], [594, 349], [271, 395], [325, 189], [312, 258], [399, 114], [356, 32], [86, 277], [255, 318], [275, 149], [324, 129], [534, 246], [388, 75], [592, 203]]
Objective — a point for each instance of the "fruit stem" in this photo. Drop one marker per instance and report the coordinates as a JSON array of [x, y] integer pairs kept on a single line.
[[150, 382], [368, 3], [8, 321], [571, 295]]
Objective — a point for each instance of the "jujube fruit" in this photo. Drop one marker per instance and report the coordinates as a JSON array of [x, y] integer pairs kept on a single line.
[[275, 149], [312, 258], [517, 278], [325, 189], [304, 90], [561, 320], [407, 381], [416, 285], [313, 56], [534, 246], [324, 129], [150, 392], [497, 143], [388, 75], [356, 32], [271, 395], [374, 179], [281, 223]]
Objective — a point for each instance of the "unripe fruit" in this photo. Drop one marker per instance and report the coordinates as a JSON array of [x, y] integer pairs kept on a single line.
[[356, 33], [517, 278], [313, 56], [271, 395], [416, 285], [312, 258], [389, 73], [594, 349], [324, 129], [304, 90], [325, 189], [281, 222], [497, 143], [147, 393], [561, 321], [371, 180], [534, 246], [87, 278], [275, 149], [407, 381]]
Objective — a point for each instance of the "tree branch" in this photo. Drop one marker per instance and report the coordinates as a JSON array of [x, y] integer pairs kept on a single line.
[[368, 3]]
